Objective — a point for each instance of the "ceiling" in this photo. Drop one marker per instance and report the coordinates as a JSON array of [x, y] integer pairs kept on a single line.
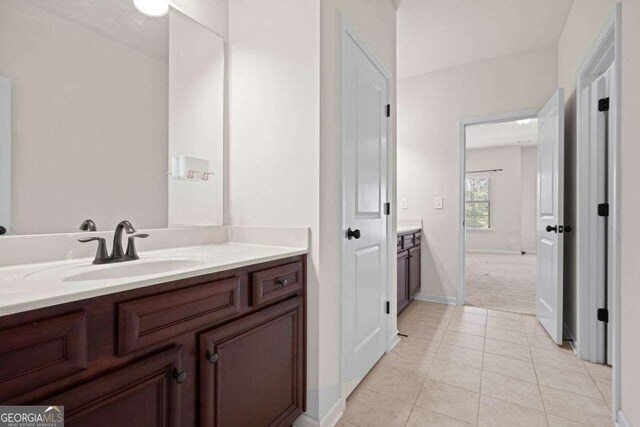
[[118, 20], [488, 135], [437, 34]]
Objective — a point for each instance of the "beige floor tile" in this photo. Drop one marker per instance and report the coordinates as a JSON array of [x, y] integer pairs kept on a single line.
[[534, 328], [474, 310], [472, 342], [562, 422], [394, 383], [598, 371], [343, 423], [512, 390], [499, 413], [463, 316], [425, 332], [573, 382], [507, 335], [464, 377], [512, 325], [526, 318], [447, 400], [436, 322], [421, 417], [460, 355], [604, 385], [412, 355], [510, 367], [542, 341], [505, 315], [503, 348], [566, 360], [575, 407], [466, 328], [368, 408]]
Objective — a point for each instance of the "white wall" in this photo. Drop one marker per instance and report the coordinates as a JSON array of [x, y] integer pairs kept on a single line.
[[505, 188], [429, 109], [213, 14], [75, 116]]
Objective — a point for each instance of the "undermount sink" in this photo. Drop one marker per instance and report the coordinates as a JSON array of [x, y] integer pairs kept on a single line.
[[133, 269]]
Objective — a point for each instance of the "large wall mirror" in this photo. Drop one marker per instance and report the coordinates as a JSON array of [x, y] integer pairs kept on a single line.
[[109, 114]]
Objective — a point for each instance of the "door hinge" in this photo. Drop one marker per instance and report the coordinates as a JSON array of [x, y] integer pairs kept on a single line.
[[603, 209], [388, 308], [387, 208], [603, 315], [388, 110], [603, 104]]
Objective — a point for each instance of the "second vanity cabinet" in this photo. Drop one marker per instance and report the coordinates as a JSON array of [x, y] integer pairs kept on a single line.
[[225, 349], [408, 248]]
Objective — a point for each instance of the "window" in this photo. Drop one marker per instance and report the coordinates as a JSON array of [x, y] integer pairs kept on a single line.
[[477, 205]]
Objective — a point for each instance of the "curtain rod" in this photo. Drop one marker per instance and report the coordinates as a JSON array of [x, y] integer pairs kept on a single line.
[[486, 170]]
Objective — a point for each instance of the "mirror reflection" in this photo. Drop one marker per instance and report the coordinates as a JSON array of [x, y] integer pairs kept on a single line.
[[108, 113]]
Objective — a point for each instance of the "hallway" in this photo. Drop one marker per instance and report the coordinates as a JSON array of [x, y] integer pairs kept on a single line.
[[465, 366]]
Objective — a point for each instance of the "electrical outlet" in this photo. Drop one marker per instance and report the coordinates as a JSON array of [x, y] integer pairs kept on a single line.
[[404, 203], [437, 202]]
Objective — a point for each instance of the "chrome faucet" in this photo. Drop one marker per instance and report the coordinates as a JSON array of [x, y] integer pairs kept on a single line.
[[88, 225], [117, 254]]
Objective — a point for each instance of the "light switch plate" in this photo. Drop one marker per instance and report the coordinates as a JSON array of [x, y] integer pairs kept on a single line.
[[437, 202], [404, 203]]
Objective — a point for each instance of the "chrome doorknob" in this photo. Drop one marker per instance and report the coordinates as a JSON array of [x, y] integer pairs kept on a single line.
[[353, 234]]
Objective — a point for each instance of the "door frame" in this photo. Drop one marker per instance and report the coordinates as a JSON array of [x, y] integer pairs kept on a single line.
[[348, 30], [605, 51], [5, 153], [531, 113]]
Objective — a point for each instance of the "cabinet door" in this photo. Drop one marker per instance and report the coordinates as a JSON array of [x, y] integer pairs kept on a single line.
[[252, 370], [414, 271], [143, 394], [403, 280]]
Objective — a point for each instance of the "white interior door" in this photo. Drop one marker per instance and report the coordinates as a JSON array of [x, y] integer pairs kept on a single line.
[[550, 218], [364, 250]]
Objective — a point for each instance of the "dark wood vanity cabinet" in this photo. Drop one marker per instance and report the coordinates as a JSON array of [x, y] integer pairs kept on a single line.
[[408, 246], [225, 349]]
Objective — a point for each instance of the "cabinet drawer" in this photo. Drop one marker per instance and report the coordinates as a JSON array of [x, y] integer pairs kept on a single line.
[[399, 243], [417, 238], [37, 354], [147, 321], [407, 241], [276, 283]]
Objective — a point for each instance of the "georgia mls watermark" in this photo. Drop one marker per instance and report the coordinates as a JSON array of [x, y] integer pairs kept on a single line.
[[31, 416]]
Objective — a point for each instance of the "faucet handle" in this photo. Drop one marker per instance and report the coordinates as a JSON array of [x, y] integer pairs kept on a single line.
[[88, 225], [101, 255], [131, 245]]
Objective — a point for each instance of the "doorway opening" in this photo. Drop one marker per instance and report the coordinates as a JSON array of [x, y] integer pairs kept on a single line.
[[500, 213]]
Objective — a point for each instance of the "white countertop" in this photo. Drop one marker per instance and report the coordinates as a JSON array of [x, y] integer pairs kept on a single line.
[[32, 286], [407, 229]]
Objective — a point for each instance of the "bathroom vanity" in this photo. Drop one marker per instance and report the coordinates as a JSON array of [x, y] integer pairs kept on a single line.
[[408, 248], [220, 349]]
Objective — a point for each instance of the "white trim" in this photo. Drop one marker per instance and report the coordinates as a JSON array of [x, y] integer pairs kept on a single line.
[[436, 298], [346, 29], [5, 153], [463, 123], [566, 332], [330, 419], [621, 420], [605, 50], [492, 252]]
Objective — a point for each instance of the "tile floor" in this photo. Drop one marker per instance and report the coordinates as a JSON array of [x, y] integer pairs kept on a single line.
[[467, 366]]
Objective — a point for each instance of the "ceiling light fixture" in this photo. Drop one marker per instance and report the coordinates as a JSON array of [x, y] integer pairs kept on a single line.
[[523, 122], [153, 8]]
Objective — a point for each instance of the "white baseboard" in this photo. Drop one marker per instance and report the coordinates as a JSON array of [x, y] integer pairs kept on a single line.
[[621, 420], [572, 340], [437, 298], [330, 419], [490, 252], [394, 342]]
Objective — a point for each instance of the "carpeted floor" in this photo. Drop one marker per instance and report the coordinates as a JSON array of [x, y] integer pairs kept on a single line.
[[504, 282]]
